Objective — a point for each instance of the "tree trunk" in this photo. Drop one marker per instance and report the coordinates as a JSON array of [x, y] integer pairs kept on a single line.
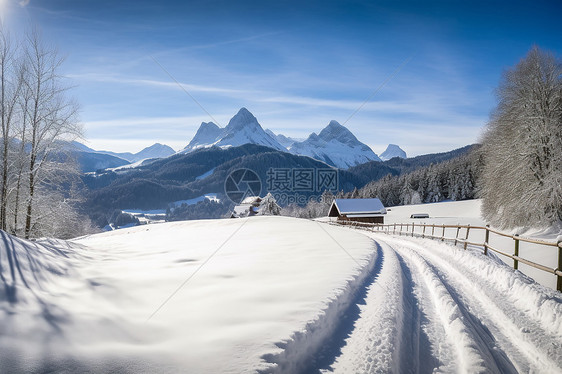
[[29, 206]]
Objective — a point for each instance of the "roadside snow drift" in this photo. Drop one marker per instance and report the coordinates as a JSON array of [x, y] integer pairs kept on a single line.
[[216, 296]]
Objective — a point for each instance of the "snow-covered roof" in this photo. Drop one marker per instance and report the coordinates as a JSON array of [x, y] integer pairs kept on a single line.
[[359, 206], [251, 200]]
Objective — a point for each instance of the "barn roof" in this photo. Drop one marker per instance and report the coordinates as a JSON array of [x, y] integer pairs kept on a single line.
[[359, 206]]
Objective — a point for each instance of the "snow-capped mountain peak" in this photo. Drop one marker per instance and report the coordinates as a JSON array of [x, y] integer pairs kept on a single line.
[[206, 135], [242, 119], [243, 128], [156, 150], [392, 151], [335, 145], [335, 131]]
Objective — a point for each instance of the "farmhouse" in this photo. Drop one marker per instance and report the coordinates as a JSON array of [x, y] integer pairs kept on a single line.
[[362, 210], [247, 208], [255, 205]]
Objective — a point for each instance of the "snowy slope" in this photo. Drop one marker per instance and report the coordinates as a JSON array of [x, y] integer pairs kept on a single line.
[[207, 134], [269, 294], [100, 303], [285, 141], [392, 151], [336, 146], [243, 128]]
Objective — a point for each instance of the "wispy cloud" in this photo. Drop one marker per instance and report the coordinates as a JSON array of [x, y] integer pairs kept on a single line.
[[132, 122], [98, 77], [23, 3]]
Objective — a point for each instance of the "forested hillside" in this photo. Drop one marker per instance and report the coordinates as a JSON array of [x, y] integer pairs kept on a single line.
[[453, 179], [187, 176]]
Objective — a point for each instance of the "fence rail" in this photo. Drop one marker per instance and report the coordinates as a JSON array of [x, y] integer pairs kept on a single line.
[[438, 233]]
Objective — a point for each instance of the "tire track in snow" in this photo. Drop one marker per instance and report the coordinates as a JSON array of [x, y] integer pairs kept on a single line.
[[388, 336], [454, 320], [508, 328], [418, 310], [475, 348]]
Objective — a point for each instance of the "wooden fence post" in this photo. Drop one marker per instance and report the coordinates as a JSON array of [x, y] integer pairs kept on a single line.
[[443, 237], [559, 278], [466, 238], [423, 233], [486, 240], [457, 236], [516, 252], [432, 230], [413, 227]]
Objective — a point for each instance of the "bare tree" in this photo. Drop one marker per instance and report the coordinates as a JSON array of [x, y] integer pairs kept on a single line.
[[11, 80], [37, 179], [51, 117], [522, 145]]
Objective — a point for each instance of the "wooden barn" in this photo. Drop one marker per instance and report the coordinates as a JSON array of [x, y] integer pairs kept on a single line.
[[362, 210]]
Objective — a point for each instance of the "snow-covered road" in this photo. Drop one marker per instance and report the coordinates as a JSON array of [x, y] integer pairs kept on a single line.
[[435, 308]]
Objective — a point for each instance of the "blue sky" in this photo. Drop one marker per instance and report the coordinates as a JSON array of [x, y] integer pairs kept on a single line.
[[295, 65]]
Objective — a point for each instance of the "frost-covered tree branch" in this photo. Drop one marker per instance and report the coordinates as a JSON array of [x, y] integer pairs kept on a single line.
[[38, 178], [522, 145]]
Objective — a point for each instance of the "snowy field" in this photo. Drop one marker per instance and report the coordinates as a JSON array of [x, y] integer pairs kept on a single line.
[[101, 303], [468, 213], [269, 295]]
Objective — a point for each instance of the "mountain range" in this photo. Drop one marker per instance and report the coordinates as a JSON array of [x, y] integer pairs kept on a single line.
[[335, 145], [91, 160], [203, 171], [156, 150]]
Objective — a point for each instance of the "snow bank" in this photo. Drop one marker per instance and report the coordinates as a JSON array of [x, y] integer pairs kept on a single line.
[[542, 304], [303, 353], [199, 296]]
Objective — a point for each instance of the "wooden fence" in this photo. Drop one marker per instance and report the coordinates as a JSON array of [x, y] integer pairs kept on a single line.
[[437, 232]]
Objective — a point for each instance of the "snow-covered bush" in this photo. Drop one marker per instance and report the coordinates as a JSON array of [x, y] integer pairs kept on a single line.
[[522, 147]]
